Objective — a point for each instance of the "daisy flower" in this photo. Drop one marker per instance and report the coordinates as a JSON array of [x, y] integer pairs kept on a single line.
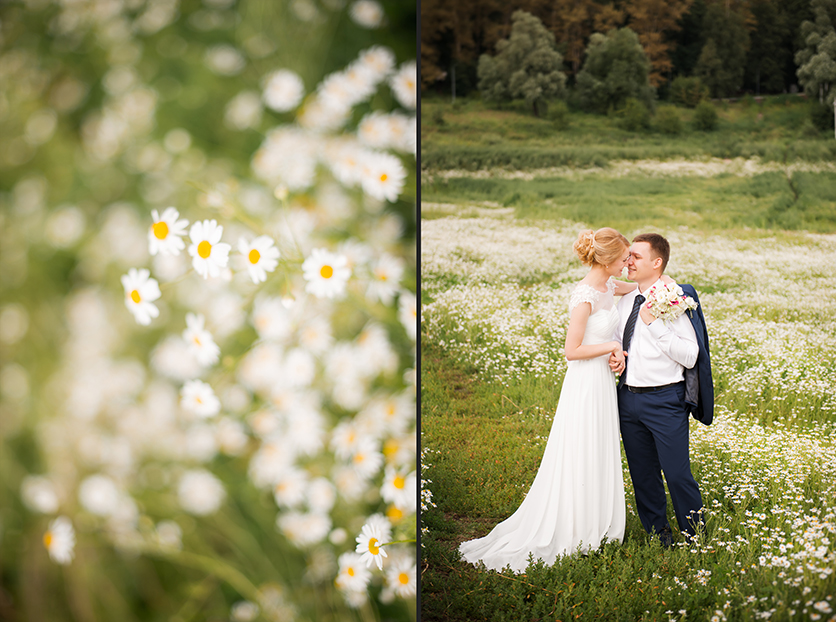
[[200, 492], [408, 313], [326, 273], [283, 90], [370, 541], [165, 235], [199, 398], [378, 60], [140, 293], [261, 257], [59, 540], [367, 13], [398, 488], [382, 176], [39, 494], [401, 576], [386, 277], [200, 341], [99, 495], [403, 85], [208, 253], [353, 575]]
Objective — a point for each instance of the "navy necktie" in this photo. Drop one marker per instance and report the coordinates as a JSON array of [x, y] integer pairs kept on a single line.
[[627, 337]]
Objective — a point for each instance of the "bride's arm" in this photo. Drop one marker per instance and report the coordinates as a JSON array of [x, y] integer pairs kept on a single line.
[[574, 336], [622, 288]]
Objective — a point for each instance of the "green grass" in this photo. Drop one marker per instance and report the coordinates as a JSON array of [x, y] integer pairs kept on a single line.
[[471, 135]]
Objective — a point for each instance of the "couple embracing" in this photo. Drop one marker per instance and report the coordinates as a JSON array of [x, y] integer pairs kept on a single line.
[[577, 498]]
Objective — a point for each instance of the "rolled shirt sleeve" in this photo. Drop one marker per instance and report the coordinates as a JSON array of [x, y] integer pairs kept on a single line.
[[677, 339]]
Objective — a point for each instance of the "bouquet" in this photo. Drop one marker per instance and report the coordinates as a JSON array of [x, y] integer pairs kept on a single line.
[[668, 302]]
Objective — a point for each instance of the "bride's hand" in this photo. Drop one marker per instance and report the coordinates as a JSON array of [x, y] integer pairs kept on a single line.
[[616, 361], [667, 280]]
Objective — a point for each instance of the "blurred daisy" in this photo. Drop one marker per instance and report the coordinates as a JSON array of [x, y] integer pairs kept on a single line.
[[243, 111], [304, 529], [59, 540], [165, 235], [198, 397], [370, 544], [208, 253], [386, 278], [39, 494], [326, 273], [378, 60], [401, 576], [99, 495], [375, 130], [382, 176], [403, 85], [283, 90], [200, 492], [200, 340], [367, 13], [140, 293], [261, 257], [289, 490], [408, 312], [399, 488], [353, 575]]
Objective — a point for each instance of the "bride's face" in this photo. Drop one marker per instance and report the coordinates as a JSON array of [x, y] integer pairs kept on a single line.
[[617, 267]]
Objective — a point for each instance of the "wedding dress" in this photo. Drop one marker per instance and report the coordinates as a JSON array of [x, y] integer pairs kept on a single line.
[[577, 498]]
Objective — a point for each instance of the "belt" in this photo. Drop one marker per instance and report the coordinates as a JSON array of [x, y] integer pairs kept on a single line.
[[651, 389]]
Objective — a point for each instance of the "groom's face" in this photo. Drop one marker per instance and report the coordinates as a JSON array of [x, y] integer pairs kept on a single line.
[[641, 265]]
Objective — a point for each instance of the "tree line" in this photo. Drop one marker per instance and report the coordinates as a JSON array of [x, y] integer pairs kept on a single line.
[[733, 46]]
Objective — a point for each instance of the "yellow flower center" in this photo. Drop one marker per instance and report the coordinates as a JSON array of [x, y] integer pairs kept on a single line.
[[394, 513], [384, 177], [403, 578], [135, 296], [197, 342], [350, 572], [48, 539], [374, 549], [326, 272], [399, 482], [160, 230], [204, 249], [390, 448], [254, 256]]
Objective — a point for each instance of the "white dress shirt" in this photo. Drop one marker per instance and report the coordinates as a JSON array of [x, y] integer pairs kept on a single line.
[[659, 351]]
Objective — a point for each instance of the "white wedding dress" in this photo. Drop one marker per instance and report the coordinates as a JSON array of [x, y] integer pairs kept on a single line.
[[577, 498]]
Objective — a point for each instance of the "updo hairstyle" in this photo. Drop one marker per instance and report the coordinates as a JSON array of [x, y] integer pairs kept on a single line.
[[601, 247]]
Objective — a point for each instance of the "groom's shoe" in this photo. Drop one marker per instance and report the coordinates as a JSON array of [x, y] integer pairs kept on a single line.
[[666, 538]]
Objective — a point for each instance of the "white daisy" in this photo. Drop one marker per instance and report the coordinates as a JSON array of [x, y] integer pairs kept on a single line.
[[99, 495], [382, 176], [39, 494], [403, 85], [386, 278], [140, 293], [326, 273], [370, 543], [199, 398], [271, 319], [289, 490], [367, 460], [399, 488], [243, 111], [367, 13], [200, 492], [408, 312], [283, 90], [401, 576], [261, 256], [378, 60], [165, 234], [59, 540], [353, 575], [200, 340], [375, 130], [208, 253], [304, 529]]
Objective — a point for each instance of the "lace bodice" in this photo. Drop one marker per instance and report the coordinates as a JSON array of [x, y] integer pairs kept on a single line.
[[604, 318]]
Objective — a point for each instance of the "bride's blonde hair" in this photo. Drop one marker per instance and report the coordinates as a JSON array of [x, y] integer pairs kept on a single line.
[[601, 247]]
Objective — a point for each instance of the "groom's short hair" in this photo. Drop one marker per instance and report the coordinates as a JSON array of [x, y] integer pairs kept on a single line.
[[658, 245]]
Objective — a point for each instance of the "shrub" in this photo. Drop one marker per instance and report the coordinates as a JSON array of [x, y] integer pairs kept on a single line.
[[822, 116], [559, 114], [668, 121], [705, 117], [635, 116], [688, 91]]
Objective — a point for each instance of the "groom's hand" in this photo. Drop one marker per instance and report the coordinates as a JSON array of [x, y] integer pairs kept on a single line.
[[617, 362], [646, 316]]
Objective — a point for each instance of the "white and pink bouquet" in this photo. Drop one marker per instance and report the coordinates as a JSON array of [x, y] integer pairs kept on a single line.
[[668, 302]]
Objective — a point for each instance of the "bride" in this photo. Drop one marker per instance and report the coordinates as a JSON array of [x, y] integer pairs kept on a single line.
[[577, 498]]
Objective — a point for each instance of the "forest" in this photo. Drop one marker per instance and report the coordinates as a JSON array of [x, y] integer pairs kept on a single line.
[[737, 47]]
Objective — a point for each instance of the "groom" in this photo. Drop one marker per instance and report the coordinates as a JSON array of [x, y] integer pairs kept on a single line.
[[665, 375]]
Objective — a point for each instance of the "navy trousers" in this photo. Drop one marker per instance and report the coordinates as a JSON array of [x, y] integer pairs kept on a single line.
[[654, 430]]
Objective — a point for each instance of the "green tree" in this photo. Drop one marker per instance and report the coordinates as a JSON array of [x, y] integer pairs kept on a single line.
[[817, 61], [722, 62], [616, 69], [768, 53], [527, 65]]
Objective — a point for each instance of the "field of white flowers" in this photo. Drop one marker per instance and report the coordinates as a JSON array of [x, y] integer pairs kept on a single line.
[[207, 310], [494, 297]]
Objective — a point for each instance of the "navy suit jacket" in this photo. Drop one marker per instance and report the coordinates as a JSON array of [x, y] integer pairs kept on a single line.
[[699, 387]]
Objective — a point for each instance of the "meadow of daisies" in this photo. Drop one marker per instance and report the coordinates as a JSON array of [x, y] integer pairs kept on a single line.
[[207, 310], [496, 282]]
